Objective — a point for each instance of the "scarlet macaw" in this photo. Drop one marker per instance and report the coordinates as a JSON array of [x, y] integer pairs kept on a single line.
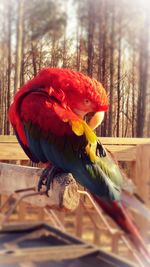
[[48, 118]]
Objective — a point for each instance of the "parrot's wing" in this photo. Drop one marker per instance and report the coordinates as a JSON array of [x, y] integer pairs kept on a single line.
[[49, 131], [26, 149]]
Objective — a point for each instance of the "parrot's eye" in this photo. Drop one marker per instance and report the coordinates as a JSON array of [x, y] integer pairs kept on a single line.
[[87, 102]]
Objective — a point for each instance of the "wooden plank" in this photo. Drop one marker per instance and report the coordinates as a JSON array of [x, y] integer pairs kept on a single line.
[[8, 139], [124, 140], [123, 153], [123, 148], [142, 179], [62, 194], [104, 140], [132, 170], [46, 253], [79, 221], [13, 151]]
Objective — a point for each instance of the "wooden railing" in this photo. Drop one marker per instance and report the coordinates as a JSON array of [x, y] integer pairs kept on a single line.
[[123, 148], [134, 151]]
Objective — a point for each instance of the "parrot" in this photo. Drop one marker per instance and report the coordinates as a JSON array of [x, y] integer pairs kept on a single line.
[[48, 115]]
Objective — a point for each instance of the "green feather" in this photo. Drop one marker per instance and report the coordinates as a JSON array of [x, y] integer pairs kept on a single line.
[[111, 169]]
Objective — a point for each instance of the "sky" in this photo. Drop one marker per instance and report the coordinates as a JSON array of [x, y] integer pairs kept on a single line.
[[72, 18]]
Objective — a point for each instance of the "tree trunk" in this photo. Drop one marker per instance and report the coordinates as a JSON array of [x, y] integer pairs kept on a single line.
[[133, 95], [118, 84], [127, 114], [104, 61], [91, 26], [9, 66], [101, 40], [111, 93], [22, 79], [143, 77], [19, 44], [64, 51], [3, 87], [1, 108], [34, 51], [53, 50], [78, 48]]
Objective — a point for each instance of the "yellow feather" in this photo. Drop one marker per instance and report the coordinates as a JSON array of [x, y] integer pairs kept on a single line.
[[90, 135], [91, 151], [77, 127], [80, 127]]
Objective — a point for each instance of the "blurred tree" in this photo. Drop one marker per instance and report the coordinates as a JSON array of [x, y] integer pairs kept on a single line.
[[19, 43], [109, 41], [112, 50], [119, 75], [143, 74], [90, 37]]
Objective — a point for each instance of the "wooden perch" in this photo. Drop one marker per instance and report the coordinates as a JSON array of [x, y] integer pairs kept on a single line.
[[63, 192]]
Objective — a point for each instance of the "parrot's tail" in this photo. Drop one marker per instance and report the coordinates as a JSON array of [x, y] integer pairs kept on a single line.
[[119, 213], [135, 203]]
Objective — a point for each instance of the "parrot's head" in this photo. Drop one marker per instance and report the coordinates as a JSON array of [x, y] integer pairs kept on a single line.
[[86, 95], [82, 94]]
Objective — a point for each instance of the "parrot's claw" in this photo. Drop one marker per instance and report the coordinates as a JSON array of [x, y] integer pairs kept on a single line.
[[47, 178], [100, 151]]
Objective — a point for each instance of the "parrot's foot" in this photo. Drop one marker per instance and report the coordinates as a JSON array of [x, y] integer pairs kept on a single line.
[[100, 151], [47, 177]]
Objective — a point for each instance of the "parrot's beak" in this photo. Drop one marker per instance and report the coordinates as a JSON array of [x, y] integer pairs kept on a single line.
[[80, 113], [96, 120]]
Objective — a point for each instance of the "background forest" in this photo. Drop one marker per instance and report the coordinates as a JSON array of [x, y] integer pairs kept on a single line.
[[106, 39]]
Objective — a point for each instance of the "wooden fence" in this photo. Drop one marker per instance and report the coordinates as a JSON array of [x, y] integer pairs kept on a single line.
[[134, 151]]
